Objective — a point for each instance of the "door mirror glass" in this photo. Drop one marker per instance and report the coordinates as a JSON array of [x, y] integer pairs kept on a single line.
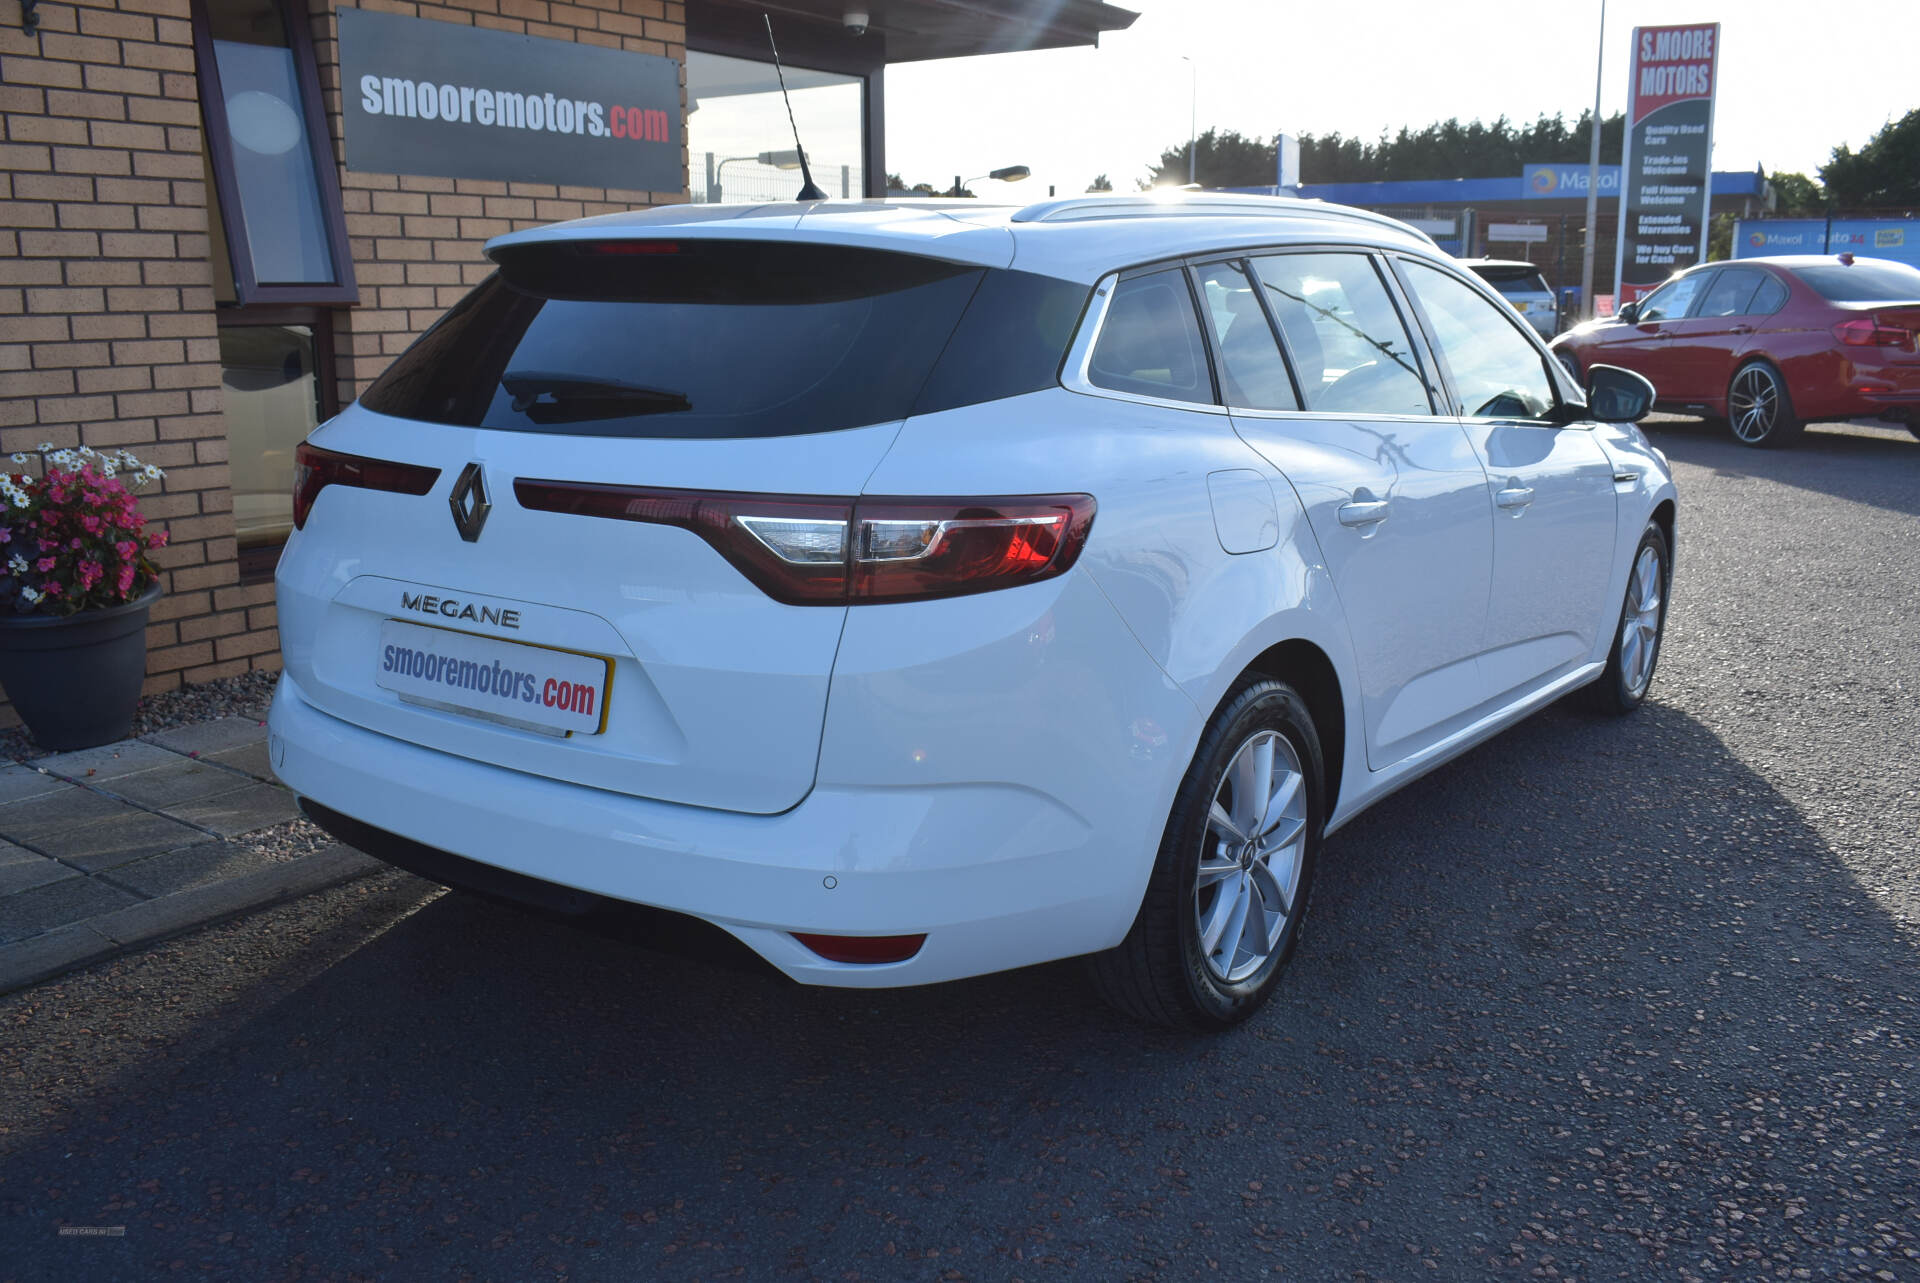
[[1616, 395]]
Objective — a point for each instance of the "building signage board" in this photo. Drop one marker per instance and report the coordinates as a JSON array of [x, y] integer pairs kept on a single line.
[[1524, 233], [424, 97], [1565, 182], [1667, 164], [1894, 238]]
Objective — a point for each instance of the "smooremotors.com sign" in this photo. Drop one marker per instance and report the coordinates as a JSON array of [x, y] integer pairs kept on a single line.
[[1667, 170], [424, 97]]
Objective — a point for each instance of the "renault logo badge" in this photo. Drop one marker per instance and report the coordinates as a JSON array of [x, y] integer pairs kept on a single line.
[[469, 502]]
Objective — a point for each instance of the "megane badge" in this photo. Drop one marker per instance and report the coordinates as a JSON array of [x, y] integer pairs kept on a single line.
[[469, 502]]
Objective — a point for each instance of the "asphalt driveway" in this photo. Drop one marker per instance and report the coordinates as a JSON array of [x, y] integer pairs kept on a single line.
[[1603, 999]]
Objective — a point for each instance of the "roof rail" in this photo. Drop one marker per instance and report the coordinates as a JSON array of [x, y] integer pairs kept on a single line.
[[1180, 204]]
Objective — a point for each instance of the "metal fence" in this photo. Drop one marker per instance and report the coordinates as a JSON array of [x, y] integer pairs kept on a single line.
[[743, 180]]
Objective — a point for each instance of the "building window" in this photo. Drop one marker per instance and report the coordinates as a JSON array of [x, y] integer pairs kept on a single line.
[[273, 395], [740, 145], [279, 234]]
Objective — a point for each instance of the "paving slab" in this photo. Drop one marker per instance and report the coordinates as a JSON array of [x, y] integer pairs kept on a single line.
[[252, 758], [211, 737], [24, 870], [180, 779], [257, 806], [34, 821], [18, 783], [192, 866], [28, 913], [107, 762], [118, 839]]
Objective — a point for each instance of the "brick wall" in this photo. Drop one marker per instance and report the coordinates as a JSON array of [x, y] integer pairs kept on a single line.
[[107, 333]]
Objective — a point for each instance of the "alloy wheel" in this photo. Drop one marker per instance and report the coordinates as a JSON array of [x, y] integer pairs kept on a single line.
[[1251, 855], [1640, 632], [1753, 404]]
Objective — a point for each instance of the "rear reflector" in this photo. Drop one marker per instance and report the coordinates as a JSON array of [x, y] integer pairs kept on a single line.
[[865, 949], [315, 469], [812, 550]]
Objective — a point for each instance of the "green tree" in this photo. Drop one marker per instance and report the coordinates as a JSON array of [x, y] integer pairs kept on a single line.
[[1100, 184], [1884, 172], [1221, 158], [1796, 196], [1443, 149]]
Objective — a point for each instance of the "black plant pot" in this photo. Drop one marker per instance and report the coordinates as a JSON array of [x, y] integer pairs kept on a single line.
[[75, 679]]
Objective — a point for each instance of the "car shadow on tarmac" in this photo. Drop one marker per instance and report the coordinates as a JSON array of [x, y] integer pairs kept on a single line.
[[1877, 464], [1597, 977]]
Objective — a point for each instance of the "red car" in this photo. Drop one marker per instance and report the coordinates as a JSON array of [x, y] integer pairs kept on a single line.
[[1770, 344]]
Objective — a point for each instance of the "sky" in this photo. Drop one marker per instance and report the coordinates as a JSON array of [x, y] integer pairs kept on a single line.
[[1797, 79]]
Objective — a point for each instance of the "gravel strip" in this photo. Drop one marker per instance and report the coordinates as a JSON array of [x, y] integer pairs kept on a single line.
[[244, 696]]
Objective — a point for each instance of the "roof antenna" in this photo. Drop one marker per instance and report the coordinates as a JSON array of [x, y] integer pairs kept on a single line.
[[807, 190]]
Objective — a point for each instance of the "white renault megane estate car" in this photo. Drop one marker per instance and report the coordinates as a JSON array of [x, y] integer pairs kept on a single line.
[[920, 590]]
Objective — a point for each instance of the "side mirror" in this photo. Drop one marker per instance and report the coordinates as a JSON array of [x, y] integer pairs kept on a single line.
[[1616, 395], [1629, 313]]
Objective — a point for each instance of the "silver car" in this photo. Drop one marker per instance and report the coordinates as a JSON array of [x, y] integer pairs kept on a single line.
[[1521, 284]]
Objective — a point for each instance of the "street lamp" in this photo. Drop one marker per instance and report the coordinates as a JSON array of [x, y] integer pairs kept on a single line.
[[776, 159], [1010, 174], [1193, 113]]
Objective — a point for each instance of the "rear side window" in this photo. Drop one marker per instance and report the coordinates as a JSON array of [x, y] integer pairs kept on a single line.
[[1867, 281], [692, 339], [1731, 293], [1010, 342], [1150, 342], [1770, 297]]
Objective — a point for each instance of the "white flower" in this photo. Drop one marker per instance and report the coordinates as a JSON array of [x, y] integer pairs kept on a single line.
[[151, 473], [17, 564], [45, 446], [30, 596], [20, 459]]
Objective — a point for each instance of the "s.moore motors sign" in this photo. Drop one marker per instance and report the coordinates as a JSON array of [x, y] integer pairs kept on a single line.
[[432, 98]]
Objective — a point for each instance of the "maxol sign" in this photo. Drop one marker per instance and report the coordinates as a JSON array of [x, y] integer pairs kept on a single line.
[[1894, 238], [1565, 182], [424, 97]]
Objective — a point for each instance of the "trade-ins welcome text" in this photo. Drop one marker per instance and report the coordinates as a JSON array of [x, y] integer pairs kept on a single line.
[[424, 100]]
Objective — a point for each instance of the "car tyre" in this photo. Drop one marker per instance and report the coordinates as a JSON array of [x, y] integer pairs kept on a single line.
[[1571, 366], [1242, 840], [1759, 409], [1643, 622]]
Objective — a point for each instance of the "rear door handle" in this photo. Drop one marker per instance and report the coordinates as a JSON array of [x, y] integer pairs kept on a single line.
[[1514, 497], [1364, 512], [1740, 329]]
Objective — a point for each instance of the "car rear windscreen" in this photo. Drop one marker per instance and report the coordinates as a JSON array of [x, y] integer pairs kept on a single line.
[[726, 339], [1513, 280], [1867, 281]]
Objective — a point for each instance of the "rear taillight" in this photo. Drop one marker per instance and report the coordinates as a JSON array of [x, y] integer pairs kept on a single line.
[[806, 550], [1866, 332], [315, 469]]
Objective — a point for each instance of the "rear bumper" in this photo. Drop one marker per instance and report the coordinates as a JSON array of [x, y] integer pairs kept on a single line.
[[996, 876]]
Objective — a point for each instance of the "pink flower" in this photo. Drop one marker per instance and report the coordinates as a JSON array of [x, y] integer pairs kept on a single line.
[[90, 572], [126, 549], [52, 589], [125, 579], [90, 524], [157, 539], [44, 565]]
